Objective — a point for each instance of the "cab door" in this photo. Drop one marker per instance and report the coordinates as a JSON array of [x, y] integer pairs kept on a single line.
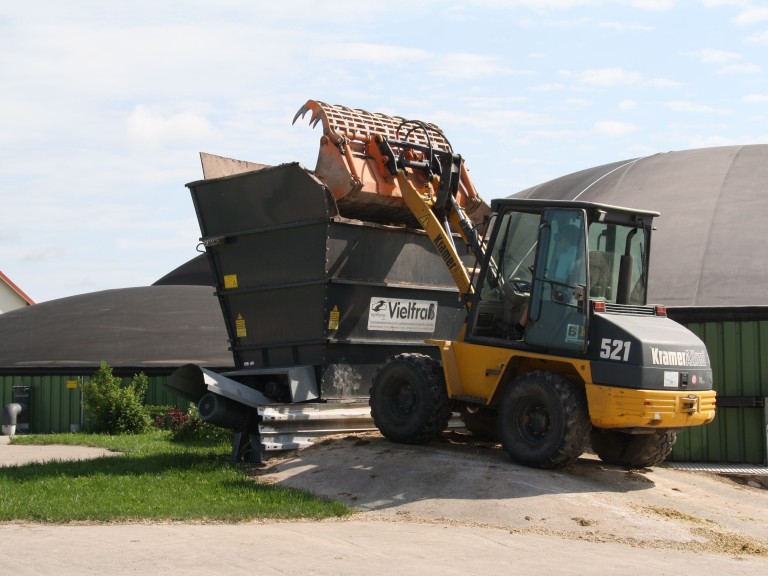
[[557, 315]]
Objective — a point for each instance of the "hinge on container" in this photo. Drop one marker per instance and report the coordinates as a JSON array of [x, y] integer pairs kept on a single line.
[[214, 241]]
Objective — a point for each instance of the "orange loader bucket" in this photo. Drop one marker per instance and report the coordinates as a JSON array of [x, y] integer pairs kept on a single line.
[[350, 165]]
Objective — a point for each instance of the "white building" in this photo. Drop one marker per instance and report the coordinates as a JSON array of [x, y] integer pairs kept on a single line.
[[11, 296]]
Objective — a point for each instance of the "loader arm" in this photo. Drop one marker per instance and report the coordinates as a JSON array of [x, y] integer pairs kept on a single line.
[[441, 239]]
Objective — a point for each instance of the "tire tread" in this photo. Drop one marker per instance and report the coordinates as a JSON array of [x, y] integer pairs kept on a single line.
[[433, 417]]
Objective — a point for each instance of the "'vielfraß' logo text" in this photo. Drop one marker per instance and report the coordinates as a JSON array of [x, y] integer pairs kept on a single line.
[[398, 315]]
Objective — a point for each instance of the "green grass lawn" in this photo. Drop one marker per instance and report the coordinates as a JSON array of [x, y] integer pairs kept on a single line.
[[153, 478]]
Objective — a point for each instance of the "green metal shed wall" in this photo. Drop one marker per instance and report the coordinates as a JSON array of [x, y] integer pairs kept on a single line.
[[737, 435], [737, 342], [55, 408], [738, 351]]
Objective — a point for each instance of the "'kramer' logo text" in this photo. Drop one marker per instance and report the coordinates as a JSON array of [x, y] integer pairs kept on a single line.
[[445, 252], [688, 357]]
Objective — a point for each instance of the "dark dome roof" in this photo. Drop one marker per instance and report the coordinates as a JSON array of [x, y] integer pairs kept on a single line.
[[147, 327], [194, 272], [708, 246]]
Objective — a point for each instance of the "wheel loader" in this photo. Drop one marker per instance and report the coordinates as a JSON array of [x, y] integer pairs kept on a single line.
[[559, 347]]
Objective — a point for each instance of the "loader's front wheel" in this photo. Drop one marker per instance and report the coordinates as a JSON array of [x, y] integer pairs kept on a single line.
[[543, 420], [632, 450], [409, 401]]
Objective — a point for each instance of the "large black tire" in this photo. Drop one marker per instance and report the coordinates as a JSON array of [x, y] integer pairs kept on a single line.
[[409, 401], [632, 450], [481, 422], [543, 420]]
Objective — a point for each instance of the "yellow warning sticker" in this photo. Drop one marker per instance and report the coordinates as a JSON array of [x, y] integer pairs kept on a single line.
[[240, 327], [230, 281], [333, 319], [424, 221], [71, 384]]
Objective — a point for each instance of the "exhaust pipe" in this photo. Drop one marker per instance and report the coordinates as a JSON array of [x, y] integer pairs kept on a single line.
[[10, 415]]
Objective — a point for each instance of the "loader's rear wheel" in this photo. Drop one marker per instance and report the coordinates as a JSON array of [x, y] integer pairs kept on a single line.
[[632, 450], [409, 401], [543, 420]]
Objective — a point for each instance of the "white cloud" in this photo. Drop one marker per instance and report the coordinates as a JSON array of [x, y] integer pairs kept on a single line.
[[752, 15], [711, 141], [710, 56], [551, 87], [740, 69], [496, 119], [491, 102], [571, 103], [686, 106], [540, 5], [154, 130], [749, 13], [624, 27], [373, 53], [546, 5], [654, 5], [466, 66], [103, 111], [78, 69], [726, 60], [609, 77], [615, 128], [43, 253], [613, 77], [558, 134], [664, 83], [462, 65], [759, 39]]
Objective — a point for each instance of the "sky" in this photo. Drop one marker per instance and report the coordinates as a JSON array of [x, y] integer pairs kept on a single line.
[[104, 106]]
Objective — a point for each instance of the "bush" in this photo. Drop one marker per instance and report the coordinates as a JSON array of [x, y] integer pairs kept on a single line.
[[170, 418], [112, 408], [157, 413], [189, 426]]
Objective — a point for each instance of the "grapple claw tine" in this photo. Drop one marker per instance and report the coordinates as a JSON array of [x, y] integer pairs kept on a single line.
[[318, 114], [301, 112]]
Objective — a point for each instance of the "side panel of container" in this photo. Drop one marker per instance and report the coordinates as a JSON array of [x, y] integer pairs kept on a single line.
[[273, 196], [297, 287]]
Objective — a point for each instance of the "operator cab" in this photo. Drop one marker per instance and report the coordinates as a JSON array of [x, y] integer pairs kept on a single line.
[[547, 261]]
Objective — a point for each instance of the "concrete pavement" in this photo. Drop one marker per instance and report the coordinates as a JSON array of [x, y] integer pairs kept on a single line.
[[16, 454], [330, 548], [369, 543]]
